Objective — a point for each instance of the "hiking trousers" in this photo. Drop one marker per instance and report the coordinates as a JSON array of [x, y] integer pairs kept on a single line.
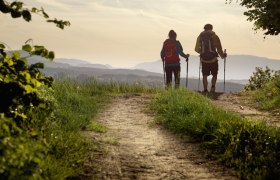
[[172, 70]]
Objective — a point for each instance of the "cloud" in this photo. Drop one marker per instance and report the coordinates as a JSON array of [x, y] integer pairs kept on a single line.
[[127, 30]]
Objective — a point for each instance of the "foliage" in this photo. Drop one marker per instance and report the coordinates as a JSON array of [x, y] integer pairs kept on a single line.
[[26, 104], [260, 77], [20, 156], [267, 97], [22, 103], [249, 147], [17, 10], [264, 89], [20, 85], [264, 13]]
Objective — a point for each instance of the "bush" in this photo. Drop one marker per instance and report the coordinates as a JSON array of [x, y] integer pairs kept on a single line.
[[260, 77], [20, 155], [250, 148], [24, 108]]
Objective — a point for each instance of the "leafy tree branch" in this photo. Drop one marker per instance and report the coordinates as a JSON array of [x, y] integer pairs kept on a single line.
[[264, 13], [17, 10]]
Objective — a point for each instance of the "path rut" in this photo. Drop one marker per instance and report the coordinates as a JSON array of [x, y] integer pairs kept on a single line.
[[140, 149]]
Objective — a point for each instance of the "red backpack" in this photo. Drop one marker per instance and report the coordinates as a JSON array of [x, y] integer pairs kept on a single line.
[[171, 55]]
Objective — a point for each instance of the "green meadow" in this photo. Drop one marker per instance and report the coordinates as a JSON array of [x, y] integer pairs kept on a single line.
[[59, 149]]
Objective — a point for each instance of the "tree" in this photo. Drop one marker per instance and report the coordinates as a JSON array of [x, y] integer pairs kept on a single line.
[[264, 13]]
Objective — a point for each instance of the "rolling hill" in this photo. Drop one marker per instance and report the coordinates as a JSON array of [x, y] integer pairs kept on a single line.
[[238, 67]]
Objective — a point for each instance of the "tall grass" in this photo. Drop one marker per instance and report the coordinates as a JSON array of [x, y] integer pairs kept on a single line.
[[251, 148], [267, 97]]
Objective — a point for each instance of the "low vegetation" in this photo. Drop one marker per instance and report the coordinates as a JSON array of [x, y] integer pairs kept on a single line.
[[41, 123], [263, 89], [249, 147]]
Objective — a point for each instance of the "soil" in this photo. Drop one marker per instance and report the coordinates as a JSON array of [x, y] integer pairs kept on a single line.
[[134, 147], [238, 104]]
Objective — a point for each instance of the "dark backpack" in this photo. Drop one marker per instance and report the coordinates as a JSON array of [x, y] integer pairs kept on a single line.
[[208, 51]]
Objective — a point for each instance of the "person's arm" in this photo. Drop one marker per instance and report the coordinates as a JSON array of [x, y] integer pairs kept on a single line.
[[180, 51], [218, 45], [198, 45], [162, 54]]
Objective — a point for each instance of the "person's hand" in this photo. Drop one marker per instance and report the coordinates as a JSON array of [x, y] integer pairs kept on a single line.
[[225, 55], [187, 59]]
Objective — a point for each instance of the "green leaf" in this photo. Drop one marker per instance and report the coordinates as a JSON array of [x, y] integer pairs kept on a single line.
[[15, 13], [2, 46], [28, 89], [16, 54], [45, 15], [18, 5], [26, 15], [37, 65], [34, 10], [4, 8], [51, 55], [27, 48], [39, 48]]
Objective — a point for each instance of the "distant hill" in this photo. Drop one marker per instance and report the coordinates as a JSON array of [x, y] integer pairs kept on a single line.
[[238, 67], [81, 70], [81, 63]]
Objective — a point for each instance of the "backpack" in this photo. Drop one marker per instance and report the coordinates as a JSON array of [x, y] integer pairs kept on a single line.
[[171, 55], [208, 51]]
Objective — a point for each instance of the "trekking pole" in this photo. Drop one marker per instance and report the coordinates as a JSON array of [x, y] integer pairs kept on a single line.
[[187, 72], [163, 73], [225, 71], [198, 86]]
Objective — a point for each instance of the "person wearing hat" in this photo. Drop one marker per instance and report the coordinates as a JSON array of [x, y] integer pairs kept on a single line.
[[170, 52], [208, 45]]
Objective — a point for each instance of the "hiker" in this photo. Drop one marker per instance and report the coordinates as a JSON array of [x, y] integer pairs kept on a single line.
[[170, 58], [208, 45]]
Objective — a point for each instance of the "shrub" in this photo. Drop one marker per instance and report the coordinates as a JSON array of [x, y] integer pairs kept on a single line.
[[260, 77], [24, 107]]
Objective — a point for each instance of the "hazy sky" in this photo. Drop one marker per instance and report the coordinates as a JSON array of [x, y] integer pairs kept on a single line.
[[123, 33]]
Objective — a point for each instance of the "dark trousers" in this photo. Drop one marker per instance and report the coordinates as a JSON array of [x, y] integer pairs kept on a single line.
[[169, 70]]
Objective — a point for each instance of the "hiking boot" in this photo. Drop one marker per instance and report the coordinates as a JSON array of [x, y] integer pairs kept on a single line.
[[205, 91], [213, 88]]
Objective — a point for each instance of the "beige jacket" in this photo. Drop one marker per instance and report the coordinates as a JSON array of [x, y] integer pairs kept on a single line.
[[217, 46]]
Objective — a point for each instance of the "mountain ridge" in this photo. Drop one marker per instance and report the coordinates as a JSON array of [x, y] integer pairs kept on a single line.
[[238, 67]]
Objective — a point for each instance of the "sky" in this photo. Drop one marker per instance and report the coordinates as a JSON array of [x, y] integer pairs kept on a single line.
[[124, 33]]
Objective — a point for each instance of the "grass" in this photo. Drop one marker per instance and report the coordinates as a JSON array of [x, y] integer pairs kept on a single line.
[[248, 147], [77, 104], [251, 148], [266, 98]]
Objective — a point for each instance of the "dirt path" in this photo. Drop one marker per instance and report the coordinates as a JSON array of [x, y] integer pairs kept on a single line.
[[136, 148], [234, 102]]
